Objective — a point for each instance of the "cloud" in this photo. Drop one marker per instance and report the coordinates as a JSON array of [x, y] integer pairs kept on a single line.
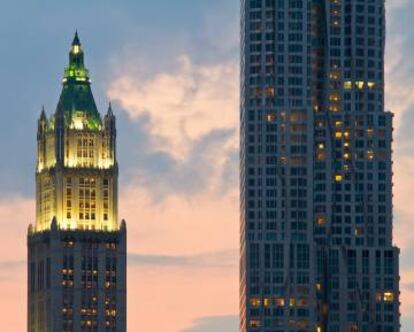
[[221, 259], [199, 172], [399, 69], [182, 136], [215, 324], [211, 164], [407, 297], [183, 103]]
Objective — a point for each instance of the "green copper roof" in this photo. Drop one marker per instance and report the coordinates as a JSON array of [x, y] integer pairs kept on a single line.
[[76, 99]]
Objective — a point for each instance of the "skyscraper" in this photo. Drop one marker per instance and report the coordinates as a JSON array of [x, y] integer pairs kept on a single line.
[[316, 169], [76, 248]]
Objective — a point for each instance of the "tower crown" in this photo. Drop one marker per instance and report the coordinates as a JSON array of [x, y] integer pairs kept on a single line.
[[77, 172], [76, 100]]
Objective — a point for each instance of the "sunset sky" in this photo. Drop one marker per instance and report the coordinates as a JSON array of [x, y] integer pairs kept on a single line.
[[170, 68]]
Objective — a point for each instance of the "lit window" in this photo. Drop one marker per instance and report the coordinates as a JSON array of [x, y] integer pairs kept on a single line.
[[254, 323], [334, 97], [338, 178], [388, 297], [321, 220], [271, 117], [360, 84], [255, 302], [280, 302], [334, 108], [334, 75], [348, 85]]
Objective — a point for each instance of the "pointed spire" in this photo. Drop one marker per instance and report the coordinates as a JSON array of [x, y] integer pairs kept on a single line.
[[123, 225], [76, 48], [54, 224], [110, 112], [30, 229], [76, 40], [43, 114]]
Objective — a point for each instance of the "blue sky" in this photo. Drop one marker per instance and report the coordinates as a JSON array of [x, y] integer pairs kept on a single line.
[[137, 53]]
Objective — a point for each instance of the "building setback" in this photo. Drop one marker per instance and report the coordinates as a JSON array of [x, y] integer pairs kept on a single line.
[[76, 248], [316, 169]]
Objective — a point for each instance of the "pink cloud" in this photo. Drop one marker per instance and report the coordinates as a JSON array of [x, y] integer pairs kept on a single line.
[[184, 103]]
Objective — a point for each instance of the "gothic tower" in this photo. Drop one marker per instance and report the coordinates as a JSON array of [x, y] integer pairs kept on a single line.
[[77, 248]]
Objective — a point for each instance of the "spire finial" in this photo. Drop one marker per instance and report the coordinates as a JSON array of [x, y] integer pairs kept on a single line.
[[110, 112], [54, 224], [76, 68], [43, 113], [76, 39]]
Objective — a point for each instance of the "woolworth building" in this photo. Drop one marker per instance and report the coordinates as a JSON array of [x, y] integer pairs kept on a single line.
[[77, 247]]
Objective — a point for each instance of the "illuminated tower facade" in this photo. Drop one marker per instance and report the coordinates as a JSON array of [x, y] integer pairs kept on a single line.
[[316, 169], [77, 248]]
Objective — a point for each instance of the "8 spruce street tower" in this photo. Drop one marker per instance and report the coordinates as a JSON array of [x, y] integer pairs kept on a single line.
[[316, 169]]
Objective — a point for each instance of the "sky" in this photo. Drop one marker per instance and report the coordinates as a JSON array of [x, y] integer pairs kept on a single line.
[[171, 70]]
